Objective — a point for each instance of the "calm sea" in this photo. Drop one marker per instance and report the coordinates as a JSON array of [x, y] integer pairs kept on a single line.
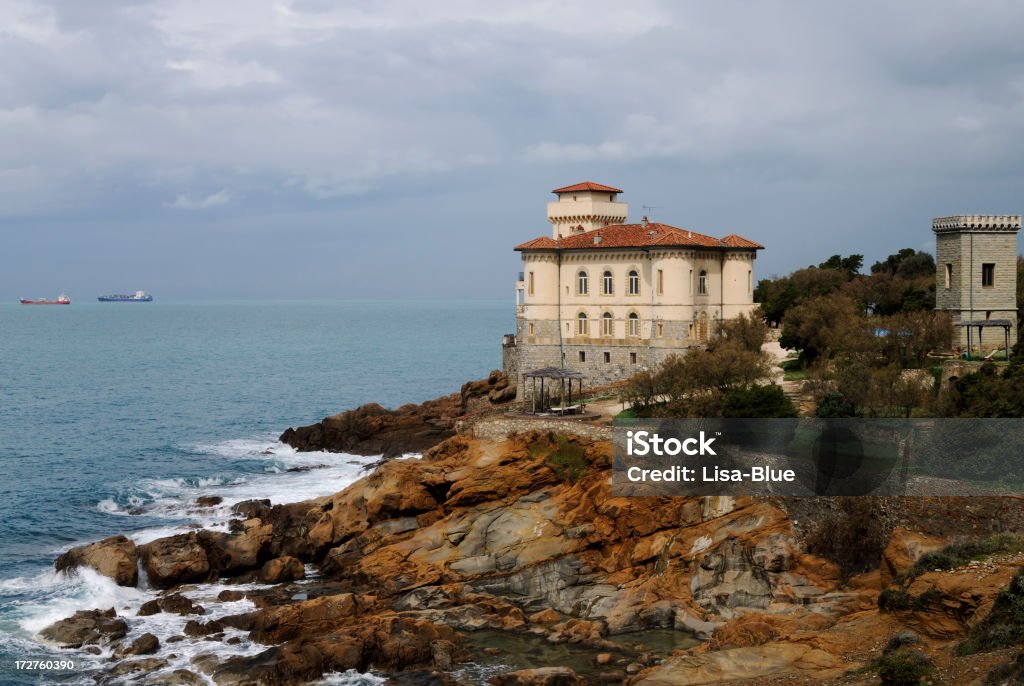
[[115, 417]]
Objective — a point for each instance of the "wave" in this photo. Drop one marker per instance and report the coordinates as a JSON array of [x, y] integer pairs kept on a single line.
[[259, 468]]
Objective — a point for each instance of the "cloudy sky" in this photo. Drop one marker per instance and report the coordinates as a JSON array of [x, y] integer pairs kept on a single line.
[[305, 148]]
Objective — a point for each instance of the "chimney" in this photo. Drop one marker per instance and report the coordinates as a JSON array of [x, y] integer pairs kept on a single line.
[[597, 239], [643, 221]]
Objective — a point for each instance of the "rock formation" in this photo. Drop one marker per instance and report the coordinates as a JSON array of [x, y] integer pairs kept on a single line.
[[373, 430], [492, 536]]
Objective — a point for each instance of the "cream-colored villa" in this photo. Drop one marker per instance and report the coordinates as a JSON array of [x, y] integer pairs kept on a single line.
[[608, 298]]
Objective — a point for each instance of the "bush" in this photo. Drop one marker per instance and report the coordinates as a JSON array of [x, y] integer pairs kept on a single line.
[[893, 599], [903, 668], [958, 554], [851, 536], [834, 405], [758, 402], [1004, 625], [567, 459]]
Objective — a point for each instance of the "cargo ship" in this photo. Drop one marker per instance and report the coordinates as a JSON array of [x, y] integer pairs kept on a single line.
[[60, 300], [139, 297]]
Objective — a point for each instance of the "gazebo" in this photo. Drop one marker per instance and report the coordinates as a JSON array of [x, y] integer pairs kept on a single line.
[[980, 324], [552, 375]]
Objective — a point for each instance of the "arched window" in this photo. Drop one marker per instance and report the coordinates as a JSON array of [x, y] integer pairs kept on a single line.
[[634, 324], [581, 282], [634, 282], [607, 325], [608, 284], [581, 324], [702, 283]]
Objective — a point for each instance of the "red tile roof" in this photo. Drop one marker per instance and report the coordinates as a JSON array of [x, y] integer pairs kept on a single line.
[[587, 186], [734, 241], [638, 236]]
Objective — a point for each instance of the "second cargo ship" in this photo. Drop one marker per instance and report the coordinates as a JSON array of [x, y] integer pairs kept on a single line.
[[139, 297]]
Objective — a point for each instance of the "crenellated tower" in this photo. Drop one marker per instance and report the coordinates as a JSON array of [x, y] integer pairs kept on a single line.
[[584, 207]]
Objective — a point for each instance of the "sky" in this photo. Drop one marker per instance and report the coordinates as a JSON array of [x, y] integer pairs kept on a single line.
[[314, 149]]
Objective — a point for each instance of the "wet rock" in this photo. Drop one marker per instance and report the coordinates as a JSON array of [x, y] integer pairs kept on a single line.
[[197, 629], [247, 509], [146, 644], [113, 557], [209, 500], [86, 627], [179, 677], [175, 560], [282, 570], [134, 667], [547, 616], [543, 676], [229, 596], [174, 603]]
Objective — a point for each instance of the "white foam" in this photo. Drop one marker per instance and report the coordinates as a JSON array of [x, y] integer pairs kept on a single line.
[[34, 603], [351, 678], [52, 596]]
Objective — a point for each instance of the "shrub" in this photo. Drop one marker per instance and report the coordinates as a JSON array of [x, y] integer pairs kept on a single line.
[[834, 405], [758, 402], [903, 668], [1004, 625], [567, 459], [893, 599], [851, 536]]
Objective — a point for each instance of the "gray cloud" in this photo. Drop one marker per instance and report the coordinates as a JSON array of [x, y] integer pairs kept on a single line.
[[428, 134]]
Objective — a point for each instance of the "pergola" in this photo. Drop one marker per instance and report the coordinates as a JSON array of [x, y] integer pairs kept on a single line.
[[561, 375], [1005, 324]]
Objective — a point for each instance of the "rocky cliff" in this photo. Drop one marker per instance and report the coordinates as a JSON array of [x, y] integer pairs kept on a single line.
[[522, 539], [412, 428]]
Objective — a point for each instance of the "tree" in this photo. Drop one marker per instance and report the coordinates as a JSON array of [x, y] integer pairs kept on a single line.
[[907, 264], [822, 325], [747, 331], [850, 264]]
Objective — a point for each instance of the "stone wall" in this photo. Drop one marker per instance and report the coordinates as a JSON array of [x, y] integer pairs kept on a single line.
[[966, 298], [499, 428]]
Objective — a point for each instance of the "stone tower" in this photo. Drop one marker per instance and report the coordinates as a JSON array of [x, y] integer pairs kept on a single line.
[[584, 207], [976, 279]]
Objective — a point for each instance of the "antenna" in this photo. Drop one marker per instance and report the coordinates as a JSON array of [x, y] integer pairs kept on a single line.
[[649, 210]]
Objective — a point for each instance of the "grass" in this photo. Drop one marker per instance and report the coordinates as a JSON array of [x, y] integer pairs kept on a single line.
[[794, 370], [566, 458]]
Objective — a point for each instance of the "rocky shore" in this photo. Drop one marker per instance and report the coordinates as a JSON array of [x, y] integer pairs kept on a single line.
[[511, 557]]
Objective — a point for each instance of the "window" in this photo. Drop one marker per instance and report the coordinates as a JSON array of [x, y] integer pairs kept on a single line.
[[988, 274], [634, 324], [530, 288], [634, 282], [607, 357], [581, 324], [702, 283], [750, 281], [691, 282], [949, 276], [632, 358], [608, 284], [689, 331], [661, 282], [581, 283], [583, 356], [661, 329], [607, 325], [532, 330]]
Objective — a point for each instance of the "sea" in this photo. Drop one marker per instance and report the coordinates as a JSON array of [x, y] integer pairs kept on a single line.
[[115, 417]]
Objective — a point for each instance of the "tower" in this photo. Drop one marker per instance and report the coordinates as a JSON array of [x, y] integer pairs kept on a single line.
[[976, 279], [584, 207]]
